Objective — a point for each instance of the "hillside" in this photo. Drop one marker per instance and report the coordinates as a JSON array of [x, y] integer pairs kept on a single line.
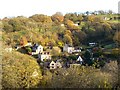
[[95, 36]]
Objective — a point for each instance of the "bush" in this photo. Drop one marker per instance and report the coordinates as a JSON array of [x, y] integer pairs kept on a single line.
[[82, 77], [56, 51], [115, 52], [112, 69], [19, 71]]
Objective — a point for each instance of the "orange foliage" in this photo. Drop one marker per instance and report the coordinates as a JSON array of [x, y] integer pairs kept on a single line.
[[23, 41]]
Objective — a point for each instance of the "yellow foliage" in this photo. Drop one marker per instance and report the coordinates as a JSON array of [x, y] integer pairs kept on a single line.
[[23, 41], [19, 71]]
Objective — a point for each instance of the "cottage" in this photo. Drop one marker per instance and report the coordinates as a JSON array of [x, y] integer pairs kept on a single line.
[[80, 60], [55, 65], [92, 44], [68, 48], [44, 55], [36, 49]]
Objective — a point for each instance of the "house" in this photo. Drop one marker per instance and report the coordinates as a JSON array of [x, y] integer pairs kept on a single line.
[[36, 49], [80, 60], [55, 65], [44, 55], [92, 44], [68, 48]]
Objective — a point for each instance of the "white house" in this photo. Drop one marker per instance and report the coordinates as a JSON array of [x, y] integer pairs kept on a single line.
[[80, 60], [68, 48], [44, 55], [36, 49], [55, 65], [92, 44]]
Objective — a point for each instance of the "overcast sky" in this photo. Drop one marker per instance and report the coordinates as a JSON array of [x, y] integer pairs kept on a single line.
[[10, 8]]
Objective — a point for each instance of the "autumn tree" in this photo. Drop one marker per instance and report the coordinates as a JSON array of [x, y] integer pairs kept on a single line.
[[19, 71], [80, 18], [41, 18], [72, 16], [44, 22], [79, 37], [23, 41], [7, 27], [70, 25], [57, 17], [67, 39], [17, 24]]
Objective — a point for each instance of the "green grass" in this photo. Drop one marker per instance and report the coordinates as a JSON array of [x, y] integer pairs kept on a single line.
[[114, 21]]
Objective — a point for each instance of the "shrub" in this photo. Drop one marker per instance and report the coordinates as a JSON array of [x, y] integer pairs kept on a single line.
[[115, 52], [81, 77], [19, 71], [112, 69]]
